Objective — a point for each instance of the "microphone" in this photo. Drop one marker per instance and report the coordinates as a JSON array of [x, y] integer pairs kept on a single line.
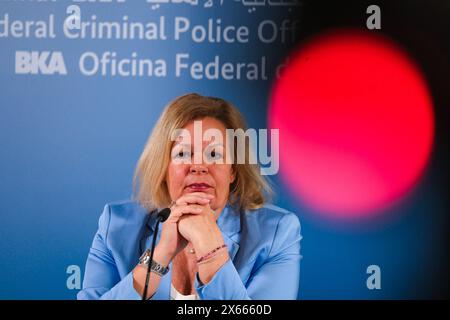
[[161, 217], [164, 214]]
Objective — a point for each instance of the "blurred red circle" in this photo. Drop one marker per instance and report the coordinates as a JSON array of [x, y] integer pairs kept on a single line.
[[356, 123]]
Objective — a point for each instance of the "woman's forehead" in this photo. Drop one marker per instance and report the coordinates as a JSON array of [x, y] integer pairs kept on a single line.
[[205, 132], [205, 124]]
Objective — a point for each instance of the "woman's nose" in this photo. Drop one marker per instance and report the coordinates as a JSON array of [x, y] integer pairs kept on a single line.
[[198, 169]]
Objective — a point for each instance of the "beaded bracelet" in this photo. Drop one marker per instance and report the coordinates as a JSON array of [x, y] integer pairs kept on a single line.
[[211, 253]]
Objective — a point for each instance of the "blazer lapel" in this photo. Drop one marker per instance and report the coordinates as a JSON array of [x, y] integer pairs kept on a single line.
[[229, 223]]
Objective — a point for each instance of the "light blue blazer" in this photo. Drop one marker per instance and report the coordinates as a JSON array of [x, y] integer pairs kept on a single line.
[[263, 244]]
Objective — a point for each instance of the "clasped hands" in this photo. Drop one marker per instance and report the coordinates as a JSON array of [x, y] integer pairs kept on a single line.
[[191, 221]]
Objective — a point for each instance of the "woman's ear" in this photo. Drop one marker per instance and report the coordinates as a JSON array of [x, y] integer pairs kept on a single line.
[[233, 175]]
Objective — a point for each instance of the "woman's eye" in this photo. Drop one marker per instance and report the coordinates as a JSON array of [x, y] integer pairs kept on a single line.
[[214, 155], [182, 154]]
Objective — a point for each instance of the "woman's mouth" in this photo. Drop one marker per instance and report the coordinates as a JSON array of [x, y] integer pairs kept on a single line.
[[199, 186]]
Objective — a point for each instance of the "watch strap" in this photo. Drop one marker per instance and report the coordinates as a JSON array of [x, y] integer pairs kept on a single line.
[[154, 266]]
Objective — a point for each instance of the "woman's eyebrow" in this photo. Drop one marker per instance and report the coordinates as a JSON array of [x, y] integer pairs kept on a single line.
[[188, 145], [215, 144]]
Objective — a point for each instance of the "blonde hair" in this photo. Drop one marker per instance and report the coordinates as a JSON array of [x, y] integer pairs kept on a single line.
[[249, 190]]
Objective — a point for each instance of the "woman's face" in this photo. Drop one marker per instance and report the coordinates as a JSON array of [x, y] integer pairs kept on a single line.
[[184, 175]]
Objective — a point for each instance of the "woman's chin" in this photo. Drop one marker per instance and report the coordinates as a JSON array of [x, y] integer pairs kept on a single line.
[[209, 190]]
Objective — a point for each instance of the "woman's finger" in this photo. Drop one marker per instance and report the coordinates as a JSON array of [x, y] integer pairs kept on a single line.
[[199, 194], [177, 211], [192, 198]]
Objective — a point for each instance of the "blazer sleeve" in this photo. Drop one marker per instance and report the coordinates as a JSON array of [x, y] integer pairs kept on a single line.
[[277, 278], [102, 279]]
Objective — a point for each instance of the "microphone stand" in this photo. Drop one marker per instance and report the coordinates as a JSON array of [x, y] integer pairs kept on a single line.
[[162, 216]]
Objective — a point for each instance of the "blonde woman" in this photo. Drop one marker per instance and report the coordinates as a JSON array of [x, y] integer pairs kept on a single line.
[[221, 240]]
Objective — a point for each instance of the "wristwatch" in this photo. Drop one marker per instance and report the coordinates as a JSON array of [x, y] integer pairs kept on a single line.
[[157, 268]]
